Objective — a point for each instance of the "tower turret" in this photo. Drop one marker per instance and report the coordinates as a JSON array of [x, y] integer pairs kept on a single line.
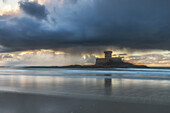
[[108, 55]]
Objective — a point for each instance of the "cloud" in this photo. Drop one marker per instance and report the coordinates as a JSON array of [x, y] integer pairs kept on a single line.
[[4, 1], [53, 58], [158, 59], [3, 17], [89, 25], [71, 1], [49, 58], [34, 9]]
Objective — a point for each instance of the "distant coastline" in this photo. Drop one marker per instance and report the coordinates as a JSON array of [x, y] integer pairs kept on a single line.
[[90, 66]]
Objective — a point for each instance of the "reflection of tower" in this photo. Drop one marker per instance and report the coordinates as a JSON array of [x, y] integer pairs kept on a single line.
[[108, 82], [108, 55], [108, 85]]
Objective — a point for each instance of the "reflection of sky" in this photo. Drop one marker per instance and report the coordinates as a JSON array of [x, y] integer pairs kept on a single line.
[[132, 89], [118, 87]]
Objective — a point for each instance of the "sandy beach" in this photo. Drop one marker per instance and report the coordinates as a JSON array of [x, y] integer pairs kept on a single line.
[[11, 102], [84, 91]]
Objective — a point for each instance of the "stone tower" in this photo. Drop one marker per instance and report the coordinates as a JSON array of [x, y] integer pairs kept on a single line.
[[108, 55]]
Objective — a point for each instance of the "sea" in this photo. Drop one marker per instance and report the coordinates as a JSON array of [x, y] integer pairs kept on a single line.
[[141, 85]]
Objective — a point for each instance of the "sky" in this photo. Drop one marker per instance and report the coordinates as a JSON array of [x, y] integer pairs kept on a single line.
[[64, 32]]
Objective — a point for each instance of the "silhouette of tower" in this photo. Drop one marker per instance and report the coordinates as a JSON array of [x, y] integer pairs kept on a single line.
[[108, 55]]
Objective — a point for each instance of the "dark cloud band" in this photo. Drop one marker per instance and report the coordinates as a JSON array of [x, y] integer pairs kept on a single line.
[[34, 9], [142, 24]]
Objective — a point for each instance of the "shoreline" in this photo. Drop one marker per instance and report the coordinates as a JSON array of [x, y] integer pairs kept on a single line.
[[87, 66]]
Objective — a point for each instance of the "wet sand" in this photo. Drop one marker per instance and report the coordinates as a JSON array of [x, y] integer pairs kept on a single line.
[[11, 102], [84, 91]]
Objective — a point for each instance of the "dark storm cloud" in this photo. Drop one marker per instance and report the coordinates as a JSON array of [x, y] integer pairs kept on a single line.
[[142, 24], [28, 34], [34, 9]]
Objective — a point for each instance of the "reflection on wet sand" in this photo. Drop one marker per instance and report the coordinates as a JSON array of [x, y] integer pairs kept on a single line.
[[30, 103], [81, 91], [108, 85]]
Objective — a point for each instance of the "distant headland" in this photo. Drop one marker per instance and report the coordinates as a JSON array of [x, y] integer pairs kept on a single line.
[[107, 62]]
